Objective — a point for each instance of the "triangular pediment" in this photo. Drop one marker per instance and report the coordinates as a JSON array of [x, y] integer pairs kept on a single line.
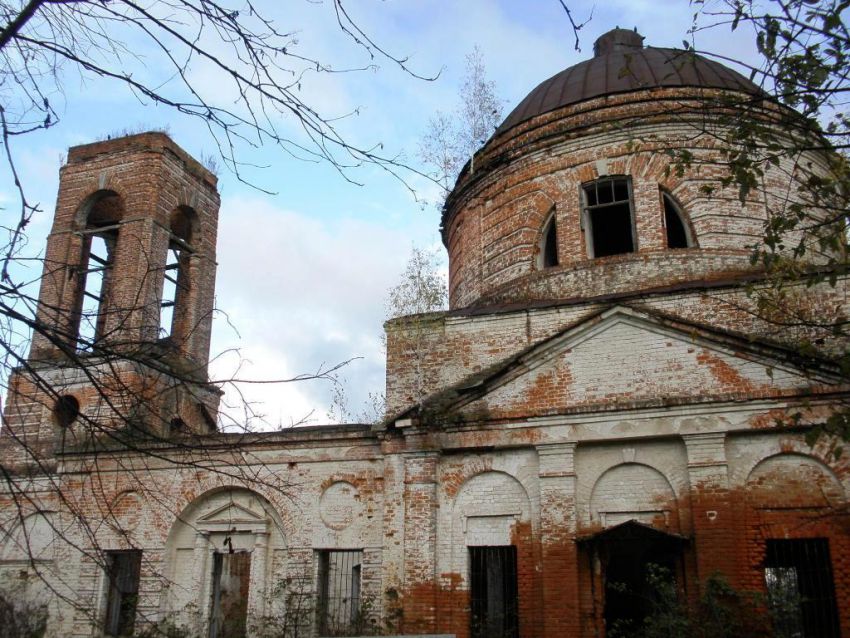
[[232, 513], [623, 358]]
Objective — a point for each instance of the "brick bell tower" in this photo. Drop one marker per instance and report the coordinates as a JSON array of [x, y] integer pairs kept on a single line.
[[122, 333]]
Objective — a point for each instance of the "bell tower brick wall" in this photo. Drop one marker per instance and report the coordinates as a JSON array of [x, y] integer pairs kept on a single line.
[[131, 374]]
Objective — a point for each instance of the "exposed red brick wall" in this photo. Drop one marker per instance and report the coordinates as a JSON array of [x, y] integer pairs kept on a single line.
[[495, 215], [152, 177]]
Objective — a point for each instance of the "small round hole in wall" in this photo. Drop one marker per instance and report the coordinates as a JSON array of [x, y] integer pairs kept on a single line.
[[177, 426], [66, 410]]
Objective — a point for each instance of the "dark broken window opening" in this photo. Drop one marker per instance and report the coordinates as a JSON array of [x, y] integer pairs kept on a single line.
[[800, 588], [493, 592], [607, 222], [677, 232], [177, 426], [548, 248], [229, 601], [66, 410], [123, 570], [338, 610]]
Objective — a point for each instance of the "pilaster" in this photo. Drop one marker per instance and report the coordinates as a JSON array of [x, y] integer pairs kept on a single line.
[[420, 542], [557, 532]]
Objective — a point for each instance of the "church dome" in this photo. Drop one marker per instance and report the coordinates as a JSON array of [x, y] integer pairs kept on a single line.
[[622, 64], [578, 195]]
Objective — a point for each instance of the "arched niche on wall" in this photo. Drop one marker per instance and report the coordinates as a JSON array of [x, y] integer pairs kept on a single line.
[[791, 480], [31, 540], [225, 529], [634, 492], [487, 507], [29, 553], [491, 548], [490, 509]]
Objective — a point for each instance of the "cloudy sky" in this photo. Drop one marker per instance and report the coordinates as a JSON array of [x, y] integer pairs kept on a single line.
[[303, 272]]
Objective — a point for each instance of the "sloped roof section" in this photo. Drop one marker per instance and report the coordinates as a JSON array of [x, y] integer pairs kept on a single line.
[[620, 68], [631, 531]]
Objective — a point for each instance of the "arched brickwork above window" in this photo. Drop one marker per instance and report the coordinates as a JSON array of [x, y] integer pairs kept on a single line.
[[790, 480], [634, 492]]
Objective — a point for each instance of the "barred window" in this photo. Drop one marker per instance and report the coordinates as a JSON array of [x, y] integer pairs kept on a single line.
[[338, 607], [493, 592], [95, 272], [800, 589]]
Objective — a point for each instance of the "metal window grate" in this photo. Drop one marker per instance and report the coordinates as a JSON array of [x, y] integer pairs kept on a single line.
[[800, 589], [493, 592], [338, 606]]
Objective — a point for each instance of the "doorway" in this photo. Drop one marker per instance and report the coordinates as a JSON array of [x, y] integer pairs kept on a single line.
[[229, 602]]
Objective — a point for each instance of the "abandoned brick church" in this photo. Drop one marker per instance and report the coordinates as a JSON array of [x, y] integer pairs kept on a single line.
[[601, 396]]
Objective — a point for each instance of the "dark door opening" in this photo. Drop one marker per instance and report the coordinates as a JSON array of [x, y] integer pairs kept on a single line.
[[493, 592], [629, 592], [631, 555], [229, 604]]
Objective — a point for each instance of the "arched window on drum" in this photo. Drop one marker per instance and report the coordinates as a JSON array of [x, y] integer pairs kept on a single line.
[[547, 249], [676, 226]]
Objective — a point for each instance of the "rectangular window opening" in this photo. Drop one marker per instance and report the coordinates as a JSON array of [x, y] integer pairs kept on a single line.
[[229, 601], [122, 570], [609, 226], [338, 605], [800, 589], [493, 592]]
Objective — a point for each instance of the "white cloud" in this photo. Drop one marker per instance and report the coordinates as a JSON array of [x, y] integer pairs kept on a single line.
[[305, 294]]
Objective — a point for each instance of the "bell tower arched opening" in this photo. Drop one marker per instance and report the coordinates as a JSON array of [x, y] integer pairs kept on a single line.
[[100, 220], [176, 284]]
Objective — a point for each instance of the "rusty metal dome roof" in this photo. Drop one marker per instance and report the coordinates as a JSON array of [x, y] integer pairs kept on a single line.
[[621, 64]]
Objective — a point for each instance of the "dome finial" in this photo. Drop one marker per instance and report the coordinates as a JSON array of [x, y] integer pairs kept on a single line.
[[617, 40]]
